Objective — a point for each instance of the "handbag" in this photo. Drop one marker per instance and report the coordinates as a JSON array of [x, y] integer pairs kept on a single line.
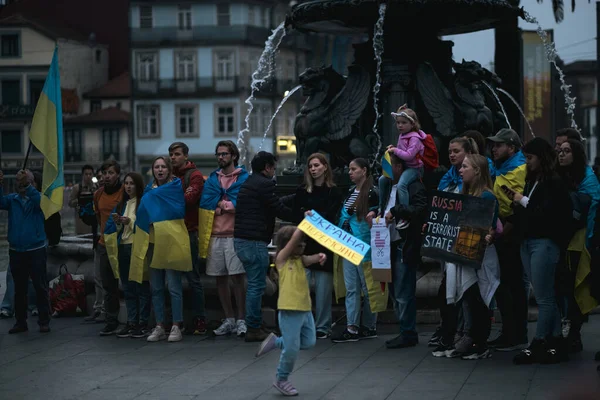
[[67, 293]]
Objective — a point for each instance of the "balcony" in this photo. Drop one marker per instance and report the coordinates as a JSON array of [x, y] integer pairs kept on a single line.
[[200, 35]]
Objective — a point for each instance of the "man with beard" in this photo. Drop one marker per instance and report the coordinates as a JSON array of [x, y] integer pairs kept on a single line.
[[219, 200], [105, 200], [192, 181], [511, 295]]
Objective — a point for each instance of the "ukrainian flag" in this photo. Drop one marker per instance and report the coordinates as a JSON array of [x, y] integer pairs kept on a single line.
[[163, 210], [112, 237], [386, 166], [46, 134]]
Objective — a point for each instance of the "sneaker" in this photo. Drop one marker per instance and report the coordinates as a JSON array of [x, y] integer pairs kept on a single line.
[[323, 335], [402, 224], [175, 335], [200, 327], [158, 333], [286, 388], [140, 331], [255, 335], [92, 318], [401, 342], [443, 350], [109, 329], [345, 336], [4, 314], [530, 355], [464, 344], [366, 333], [241, 328], [503, 343], [267, 345], [18, 329], [226, 328], [477, 353], [126, 331], [44, 328], [435, 338], [35, 312]]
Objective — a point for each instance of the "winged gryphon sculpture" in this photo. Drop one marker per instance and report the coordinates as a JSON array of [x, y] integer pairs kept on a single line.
[[326, 122]]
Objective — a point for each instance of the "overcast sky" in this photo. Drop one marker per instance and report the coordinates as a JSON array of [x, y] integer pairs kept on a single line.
[[574, 36]]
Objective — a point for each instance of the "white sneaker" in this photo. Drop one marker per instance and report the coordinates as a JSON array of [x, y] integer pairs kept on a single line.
[[241, 328], [175, 335], [158, 333], [227, 327]]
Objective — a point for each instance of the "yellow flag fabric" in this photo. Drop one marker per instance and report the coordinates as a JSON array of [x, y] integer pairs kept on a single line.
[[205, 223], [583, 296], [377, 298], [515, 180]]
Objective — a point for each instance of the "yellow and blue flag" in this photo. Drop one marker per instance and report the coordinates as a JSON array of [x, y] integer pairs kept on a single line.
[[163, 210], [386, 166], [46, 134], [112, 237]]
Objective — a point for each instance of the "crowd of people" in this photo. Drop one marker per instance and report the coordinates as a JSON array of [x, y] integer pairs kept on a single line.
[[545, 236]]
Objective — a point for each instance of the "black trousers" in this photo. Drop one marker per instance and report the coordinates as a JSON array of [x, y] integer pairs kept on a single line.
[[25, 265]]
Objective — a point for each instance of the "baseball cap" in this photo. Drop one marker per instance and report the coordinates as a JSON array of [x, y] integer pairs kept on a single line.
[[507, 136]]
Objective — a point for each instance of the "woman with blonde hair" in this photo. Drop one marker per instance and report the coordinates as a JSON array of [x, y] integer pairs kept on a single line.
[[319, 193]]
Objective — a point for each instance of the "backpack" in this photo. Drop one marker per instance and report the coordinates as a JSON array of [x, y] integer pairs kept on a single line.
[[430, 157], [53, 229], [86, 209]]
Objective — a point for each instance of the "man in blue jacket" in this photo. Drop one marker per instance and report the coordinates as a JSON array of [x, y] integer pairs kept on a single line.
[[27, 249]]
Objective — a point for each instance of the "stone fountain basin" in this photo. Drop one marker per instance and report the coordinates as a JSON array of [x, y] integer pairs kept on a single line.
[[442, 17]]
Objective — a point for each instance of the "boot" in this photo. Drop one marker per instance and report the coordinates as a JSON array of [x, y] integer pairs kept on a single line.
[[555, 351], [255, 335], [531, 355]]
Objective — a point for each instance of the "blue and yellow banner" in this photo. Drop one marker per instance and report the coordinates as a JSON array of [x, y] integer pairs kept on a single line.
[[162, 210], [46, 134], [386, 166], [333, 238], [112, 235]]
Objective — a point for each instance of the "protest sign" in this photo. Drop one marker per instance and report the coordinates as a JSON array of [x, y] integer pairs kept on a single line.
[[333, 238], [380, 251], [456, 227]]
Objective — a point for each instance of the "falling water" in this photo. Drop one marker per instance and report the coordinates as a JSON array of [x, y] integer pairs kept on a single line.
[[493, 92], [504, 92], [263, 72], [551, 56], [287, 96], [378, 50]]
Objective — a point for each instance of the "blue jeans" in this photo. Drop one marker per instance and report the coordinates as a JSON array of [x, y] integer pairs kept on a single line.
[[409, 176], [137, 296], [8, 303], [25, 267], [323, 297], [193, 278], [354, 279], [255, 257], [403, 289], [297, 333], [540, 257]]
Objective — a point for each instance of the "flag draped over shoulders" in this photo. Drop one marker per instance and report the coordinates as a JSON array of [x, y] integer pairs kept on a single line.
[[512, 174], [112, 237], [163, 208], [211, 195], [46, 134], [590, 186]]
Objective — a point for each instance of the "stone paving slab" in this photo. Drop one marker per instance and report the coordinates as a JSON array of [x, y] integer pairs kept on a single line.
[[73, 362]]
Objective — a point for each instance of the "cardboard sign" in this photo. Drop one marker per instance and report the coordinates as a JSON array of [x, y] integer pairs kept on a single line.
[[456, 228], [380, 251], [333, 238]]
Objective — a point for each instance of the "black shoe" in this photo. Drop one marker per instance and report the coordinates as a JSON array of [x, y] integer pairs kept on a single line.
[[92, 318], [109, 329], [126, 331], [345, 336], [435, 338], [44, 328], [401, 342], [366, 333], [255, 335], [531, 355], [444, 350], [477, 353], [18, 329], [140, 331], [323, 335], [556, 351], [504, 343]]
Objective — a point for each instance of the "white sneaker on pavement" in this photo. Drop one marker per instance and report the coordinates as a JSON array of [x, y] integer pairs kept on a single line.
[[175, 335], [227, 327], [158, 333], [241, 327]]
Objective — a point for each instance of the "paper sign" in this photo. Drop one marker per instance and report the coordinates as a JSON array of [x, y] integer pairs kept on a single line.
[[456, 228], [333, 238], [380, 251]]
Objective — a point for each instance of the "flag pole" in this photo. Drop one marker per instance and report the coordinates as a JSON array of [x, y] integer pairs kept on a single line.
[[27, 155]]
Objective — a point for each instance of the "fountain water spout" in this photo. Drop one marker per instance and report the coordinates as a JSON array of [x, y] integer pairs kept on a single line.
[[287, 96], [493, 92], [504, 92], [378, 51]]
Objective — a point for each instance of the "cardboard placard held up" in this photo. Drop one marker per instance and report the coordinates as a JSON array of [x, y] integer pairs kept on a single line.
[[380, 251]]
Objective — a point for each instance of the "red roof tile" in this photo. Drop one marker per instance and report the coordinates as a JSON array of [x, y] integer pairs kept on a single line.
[[118, 87], [105, 115]]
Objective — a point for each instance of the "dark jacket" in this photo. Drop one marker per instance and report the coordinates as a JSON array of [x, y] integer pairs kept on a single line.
[[548, 213], [324, 200], [192, 193], [256, 209], [414, 213]]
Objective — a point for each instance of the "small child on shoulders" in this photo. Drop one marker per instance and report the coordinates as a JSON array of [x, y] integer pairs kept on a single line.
[[296, 321]]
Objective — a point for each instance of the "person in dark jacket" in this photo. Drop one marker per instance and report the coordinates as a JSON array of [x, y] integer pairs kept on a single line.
[[406, 255], [318, 193], [257, 207], [542, 211]]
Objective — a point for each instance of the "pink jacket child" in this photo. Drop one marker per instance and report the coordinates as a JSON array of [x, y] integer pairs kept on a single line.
[[409, 146]]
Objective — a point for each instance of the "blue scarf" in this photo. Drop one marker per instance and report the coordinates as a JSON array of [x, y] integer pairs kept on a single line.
[[212, 192], [451, 178]]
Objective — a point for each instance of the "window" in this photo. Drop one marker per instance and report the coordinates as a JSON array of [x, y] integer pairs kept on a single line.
[[184, 17], [11, 91], [186, 66], [259, 120], [95, 105], [12, 141], [10, 46], [98, 56], [251, 15], [186, 121], [223, 18], [72, 145], [224, 67], [225, 118], [148, 121], [35, 90], [146, 17], [110, 144], [147, 66]]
